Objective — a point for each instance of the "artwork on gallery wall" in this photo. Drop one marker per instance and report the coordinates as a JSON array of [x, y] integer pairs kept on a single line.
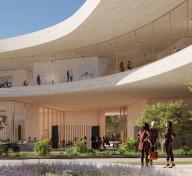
[[6, 81]]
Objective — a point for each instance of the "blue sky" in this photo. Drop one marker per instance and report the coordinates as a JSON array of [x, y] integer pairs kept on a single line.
[[23, 16]]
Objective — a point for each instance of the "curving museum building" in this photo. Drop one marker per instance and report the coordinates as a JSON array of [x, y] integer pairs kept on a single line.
[[110, 57]]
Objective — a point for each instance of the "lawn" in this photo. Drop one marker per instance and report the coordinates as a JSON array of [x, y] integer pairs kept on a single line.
[[71, 153]]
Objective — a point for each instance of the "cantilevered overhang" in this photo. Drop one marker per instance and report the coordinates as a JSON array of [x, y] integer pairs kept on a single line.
[[164, 78], [94, 22]]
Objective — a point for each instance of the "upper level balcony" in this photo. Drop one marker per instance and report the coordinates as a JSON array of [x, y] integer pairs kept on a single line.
[[100, 63]]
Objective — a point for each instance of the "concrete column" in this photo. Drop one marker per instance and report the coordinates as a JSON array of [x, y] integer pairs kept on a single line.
[[133, 113], [101, 123]]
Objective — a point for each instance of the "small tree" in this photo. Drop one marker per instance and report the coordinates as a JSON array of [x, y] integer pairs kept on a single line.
[[129, 145], [173, 111], [116, 125], [3, 149], [81, 146]]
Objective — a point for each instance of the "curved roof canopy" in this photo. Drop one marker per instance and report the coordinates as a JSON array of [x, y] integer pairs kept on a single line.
[[94, 22], [165, 77]]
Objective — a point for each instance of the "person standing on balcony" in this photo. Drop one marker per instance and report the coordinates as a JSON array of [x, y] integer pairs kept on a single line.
[[67, 75], [129, 65], [122, 68], [38, 80], [71, 75]]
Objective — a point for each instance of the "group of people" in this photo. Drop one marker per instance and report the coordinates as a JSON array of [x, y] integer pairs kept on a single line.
[[5, 84], [99, 143], [148, 144], [38, 78], [30, 140], [122, 68], [25, 83]]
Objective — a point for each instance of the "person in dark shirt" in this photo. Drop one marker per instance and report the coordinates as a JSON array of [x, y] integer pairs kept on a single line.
[[122, 68], [153, 139], [67, 75], [38, 80], [129, 65], [169, 138]]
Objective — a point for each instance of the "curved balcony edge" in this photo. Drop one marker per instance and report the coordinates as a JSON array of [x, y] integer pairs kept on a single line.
[[167, 66]]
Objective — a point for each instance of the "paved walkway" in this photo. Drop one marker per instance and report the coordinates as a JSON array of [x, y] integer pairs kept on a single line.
[[179, 170]]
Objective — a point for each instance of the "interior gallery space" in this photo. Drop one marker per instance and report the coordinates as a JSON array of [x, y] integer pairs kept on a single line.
[[110, 57]]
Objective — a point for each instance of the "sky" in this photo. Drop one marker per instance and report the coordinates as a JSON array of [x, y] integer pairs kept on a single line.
[[19, 17]]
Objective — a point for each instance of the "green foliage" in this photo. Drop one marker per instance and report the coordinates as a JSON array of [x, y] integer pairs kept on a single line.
[[130, 145], [173, 111], [2, 149], [184, 150], [71, 151], [115, 126], [189, 86], [42, 147], [80, 146]]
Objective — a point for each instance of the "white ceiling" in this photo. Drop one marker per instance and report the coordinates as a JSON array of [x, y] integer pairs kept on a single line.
[[109, 19]]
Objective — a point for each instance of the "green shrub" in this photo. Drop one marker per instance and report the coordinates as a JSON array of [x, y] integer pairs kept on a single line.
[[185, 150], [81, 146], [2, 148], [71, 152], [130, 145], [42, 147]]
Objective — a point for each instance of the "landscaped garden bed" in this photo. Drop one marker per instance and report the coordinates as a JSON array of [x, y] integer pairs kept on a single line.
[[42, 151], [65, 154], [72, 169]]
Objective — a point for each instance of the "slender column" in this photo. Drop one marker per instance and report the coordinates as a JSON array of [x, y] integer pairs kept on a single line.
[[13, 125], [152, 43], [187, 18], [135, 60], [170, 32], [54, 63], [63, 125], [48, 122], [43, 123], [24, 130], [116, 47], [52, 120]]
